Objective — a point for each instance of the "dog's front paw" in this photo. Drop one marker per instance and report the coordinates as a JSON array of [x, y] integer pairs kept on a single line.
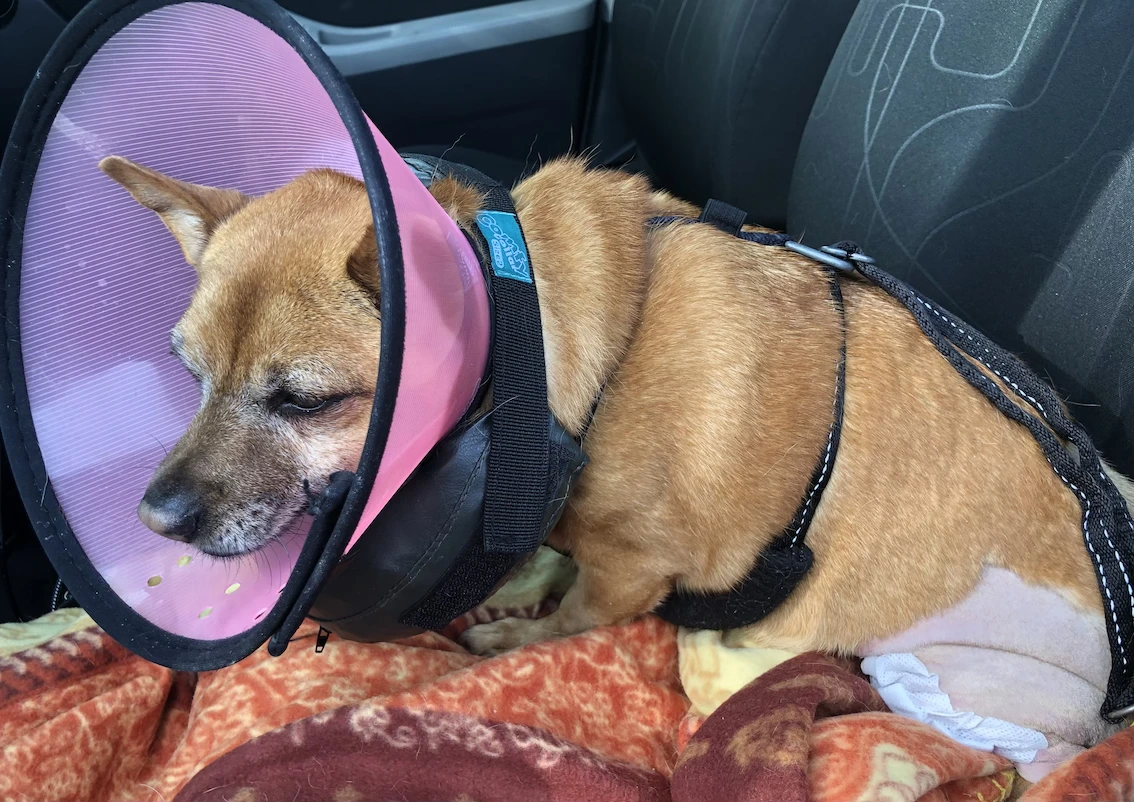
[[500, 636]]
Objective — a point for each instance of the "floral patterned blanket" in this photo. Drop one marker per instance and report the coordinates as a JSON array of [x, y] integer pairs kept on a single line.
[[600, 716]]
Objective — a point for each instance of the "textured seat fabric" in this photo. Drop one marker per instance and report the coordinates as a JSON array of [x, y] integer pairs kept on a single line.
[[983, 152], [717, 93]]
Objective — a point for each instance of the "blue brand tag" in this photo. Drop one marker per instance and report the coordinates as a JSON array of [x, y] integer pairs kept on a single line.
[[505, 245]]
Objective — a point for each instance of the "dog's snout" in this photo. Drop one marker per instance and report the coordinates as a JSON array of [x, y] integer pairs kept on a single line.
[[171, 510]]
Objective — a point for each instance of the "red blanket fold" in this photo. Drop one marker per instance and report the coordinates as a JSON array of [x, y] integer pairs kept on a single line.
[[418, 756], [773, 742]]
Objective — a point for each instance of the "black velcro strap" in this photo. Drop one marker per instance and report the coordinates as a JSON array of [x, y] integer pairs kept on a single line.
[[516, 488], [779, 568], [724, 216], [515, 494]]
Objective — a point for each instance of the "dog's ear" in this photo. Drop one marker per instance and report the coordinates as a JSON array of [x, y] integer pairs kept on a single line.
[[190, 211], [362, 266]]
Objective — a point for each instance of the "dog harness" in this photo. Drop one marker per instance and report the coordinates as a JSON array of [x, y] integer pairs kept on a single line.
[[1108, 530], [787, 559]]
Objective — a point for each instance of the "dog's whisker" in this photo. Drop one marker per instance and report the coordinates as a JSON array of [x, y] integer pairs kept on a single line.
[[782, 458], [497, 407], [444, 153], [531, 148], [160, 443]]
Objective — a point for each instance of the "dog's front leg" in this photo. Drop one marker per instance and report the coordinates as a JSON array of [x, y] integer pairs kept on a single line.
[[599, 597]]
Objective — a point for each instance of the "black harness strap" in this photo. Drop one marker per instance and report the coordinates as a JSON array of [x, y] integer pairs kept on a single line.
[[727, 218], [1108, 529], [787, 559]]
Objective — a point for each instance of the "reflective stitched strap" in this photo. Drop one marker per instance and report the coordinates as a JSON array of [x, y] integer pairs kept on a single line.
[[1108, 530]]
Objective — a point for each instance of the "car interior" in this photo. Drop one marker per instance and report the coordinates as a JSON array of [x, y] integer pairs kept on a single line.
[[957, 156], [984, 153]]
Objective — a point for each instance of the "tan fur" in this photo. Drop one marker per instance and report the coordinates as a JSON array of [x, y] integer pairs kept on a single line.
[[931, 484], [716, 363]]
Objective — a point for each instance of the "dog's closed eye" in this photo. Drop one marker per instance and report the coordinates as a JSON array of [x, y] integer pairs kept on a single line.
[[291, 404]]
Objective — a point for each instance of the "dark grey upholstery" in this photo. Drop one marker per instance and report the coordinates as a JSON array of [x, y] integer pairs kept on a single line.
[[717, 92], [983, 152]]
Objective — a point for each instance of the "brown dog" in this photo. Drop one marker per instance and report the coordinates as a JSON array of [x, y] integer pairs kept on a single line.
[[719, 363]]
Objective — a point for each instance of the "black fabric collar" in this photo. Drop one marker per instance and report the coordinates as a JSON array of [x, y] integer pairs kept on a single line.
[[781, 566]]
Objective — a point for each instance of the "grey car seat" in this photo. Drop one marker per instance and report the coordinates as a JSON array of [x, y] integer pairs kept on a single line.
[[716, 94]]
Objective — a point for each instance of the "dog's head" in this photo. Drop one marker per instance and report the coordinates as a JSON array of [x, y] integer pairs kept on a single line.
[[282, 335]]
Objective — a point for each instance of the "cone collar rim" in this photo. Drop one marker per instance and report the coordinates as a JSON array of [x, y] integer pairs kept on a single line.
[[93, 27]]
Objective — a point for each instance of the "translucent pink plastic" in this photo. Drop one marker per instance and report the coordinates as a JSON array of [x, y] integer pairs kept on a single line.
[[205, 94]]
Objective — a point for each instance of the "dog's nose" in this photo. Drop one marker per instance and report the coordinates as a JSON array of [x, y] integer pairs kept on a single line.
[[173, 512]]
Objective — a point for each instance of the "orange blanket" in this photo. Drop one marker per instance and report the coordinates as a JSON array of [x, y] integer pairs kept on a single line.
[[600, 717]]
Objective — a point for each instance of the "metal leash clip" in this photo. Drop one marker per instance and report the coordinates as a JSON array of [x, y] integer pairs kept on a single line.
[[836, 258]]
